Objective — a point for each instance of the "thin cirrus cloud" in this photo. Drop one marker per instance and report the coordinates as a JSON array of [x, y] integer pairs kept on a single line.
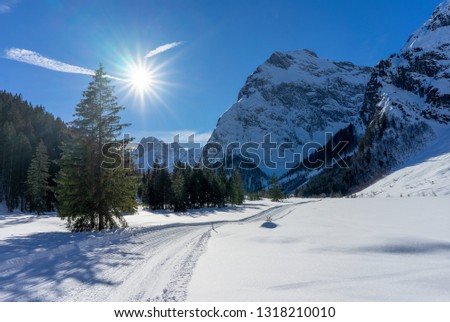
[[163, 48], [34, 58]]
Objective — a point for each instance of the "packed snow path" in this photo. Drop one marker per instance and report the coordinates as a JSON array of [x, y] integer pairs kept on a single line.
[[143, 264]]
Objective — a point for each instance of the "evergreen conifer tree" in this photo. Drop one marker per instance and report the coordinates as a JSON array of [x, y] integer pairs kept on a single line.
[[163, 187], [147, 187], [237, 189], [37, 180], [96, 183], [275, 192], [179, 190]]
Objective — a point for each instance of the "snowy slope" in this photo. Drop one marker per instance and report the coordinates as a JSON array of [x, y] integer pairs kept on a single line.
[[296, 97], [429, 178], [364, 249], [425, 174]]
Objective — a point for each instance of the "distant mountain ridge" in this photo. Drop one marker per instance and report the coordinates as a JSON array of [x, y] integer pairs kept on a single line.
[[151, 150]]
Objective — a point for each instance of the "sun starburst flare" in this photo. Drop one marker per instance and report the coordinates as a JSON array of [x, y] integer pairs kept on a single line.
[[140, 79], [143, 80]]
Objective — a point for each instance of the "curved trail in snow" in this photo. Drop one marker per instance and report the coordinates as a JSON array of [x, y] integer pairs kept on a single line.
[[142, 264]]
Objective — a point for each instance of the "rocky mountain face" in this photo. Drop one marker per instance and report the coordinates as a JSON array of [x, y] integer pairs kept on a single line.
[[386, 114], [295, 97], [406, 105], [408, 96]]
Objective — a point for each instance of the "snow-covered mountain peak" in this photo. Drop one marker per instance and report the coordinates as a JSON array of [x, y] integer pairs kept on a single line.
[[300, 66], [434, 34], [151, 150], [150, 139], [407, 101], [441, 16], [421, 70], [295, 97]]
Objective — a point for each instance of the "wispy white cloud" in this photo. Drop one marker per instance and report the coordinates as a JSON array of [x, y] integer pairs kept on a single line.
[[162, 49], [34, 58]]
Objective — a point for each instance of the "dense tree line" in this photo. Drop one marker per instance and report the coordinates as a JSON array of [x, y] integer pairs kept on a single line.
[[23, 128], [190, 188]]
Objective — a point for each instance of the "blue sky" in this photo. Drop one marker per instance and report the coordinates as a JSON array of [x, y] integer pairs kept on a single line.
[[223, 43]]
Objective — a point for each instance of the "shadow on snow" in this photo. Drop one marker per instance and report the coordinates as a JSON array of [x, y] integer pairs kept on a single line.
[[54, 258]]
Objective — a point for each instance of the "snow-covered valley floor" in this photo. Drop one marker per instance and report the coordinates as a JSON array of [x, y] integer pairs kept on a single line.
[[363, 249], [152, 260]]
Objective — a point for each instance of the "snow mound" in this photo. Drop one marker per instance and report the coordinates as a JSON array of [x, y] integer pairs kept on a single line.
[[269, 224]]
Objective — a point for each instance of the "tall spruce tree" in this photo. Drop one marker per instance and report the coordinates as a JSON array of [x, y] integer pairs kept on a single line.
[[237, 189], [179, 192], [38, 180], [96, 184]]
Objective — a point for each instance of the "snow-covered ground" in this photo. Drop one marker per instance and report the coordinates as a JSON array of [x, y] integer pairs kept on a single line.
[[355, 249], [151, 260], [146, 218], [363, 249]]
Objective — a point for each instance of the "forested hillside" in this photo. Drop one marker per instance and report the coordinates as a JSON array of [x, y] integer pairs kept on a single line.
[[22, 127]]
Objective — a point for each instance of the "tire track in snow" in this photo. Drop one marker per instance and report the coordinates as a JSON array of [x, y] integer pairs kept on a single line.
[[155, 275]]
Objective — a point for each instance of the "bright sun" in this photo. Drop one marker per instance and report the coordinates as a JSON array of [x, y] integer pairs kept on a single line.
[[143, 80], [140, 79]]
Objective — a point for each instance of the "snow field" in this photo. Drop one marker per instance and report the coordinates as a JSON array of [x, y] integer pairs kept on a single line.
[[366, 249], [355, 249], [150, 261]]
